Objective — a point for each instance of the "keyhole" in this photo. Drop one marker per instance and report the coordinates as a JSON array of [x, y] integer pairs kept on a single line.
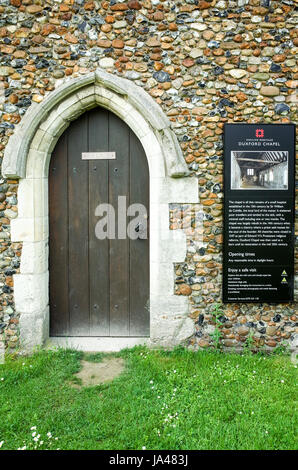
[[115, 170]]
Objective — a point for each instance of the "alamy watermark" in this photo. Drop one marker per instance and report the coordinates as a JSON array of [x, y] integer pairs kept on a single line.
[[132, 221], [109, 227]]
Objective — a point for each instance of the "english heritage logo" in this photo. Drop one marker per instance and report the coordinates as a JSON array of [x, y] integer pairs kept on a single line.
[[260, 133]]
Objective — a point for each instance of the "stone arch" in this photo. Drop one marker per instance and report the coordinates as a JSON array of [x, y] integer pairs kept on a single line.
[[50, 118], [27, 157]]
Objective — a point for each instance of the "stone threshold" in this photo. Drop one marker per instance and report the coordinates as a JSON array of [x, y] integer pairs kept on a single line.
[[96, 344]]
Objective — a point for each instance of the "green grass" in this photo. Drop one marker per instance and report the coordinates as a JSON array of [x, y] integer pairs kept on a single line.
[[163, 400]]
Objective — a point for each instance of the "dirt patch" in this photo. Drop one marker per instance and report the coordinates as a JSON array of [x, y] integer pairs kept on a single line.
[[96, 373]]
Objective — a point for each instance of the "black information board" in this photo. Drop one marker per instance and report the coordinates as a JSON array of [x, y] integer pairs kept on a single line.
[[259, 211]]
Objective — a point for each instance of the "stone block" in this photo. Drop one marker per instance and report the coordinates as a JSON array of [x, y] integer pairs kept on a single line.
[[34, 258], [31, 293]]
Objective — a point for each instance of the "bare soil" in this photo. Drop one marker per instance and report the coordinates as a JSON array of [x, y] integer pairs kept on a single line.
[[96, 373]]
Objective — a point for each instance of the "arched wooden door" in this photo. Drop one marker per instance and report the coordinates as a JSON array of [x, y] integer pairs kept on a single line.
[[98, 287]]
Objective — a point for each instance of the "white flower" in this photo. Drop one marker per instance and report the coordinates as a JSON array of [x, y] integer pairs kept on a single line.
[[282, 381], [2, 378], [34, 434], [49, 434], [33, 428], [35, 439], [143, 448], [151, 382], [1, 444], [175, 371]]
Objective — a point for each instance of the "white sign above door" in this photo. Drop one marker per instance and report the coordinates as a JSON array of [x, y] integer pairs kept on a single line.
[[99, 156]]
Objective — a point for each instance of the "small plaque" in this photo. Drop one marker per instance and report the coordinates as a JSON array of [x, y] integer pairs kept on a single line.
[[98, 155]]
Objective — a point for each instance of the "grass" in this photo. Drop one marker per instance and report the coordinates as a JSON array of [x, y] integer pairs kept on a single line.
[[164, 400]]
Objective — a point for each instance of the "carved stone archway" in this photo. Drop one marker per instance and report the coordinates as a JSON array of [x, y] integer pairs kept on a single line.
[[27, 158]]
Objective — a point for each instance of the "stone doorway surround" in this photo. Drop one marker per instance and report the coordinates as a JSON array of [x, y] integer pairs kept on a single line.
[[27, 157]]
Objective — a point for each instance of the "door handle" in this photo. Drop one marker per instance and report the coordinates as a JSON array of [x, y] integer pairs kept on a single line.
[[140, 229]]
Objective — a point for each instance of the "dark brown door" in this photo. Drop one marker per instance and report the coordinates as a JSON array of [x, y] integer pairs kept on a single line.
[[98, 287]]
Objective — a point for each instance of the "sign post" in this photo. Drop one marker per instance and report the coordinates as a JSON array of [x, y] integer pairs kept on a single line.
[[259, 211]]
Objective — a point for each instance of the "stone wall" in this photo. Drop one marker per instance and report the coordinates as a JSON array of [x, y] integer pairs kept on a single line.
[[205, 63]]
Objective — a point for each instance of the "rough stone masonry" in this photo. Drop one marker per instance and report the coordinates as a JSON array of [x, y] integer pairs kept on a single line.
[[205, 62]]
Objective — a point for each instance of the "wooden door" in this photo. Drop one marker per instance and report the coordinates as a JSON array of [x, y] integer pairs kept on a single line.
[[98, 287]]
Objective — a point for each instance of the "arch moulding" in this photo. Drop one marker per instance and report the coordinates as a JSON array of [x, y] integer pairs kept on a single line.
[[27, 157]]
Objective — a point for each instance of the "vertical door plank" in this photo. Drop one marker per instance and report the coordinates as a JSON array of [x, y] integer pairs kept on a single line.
[[98, 132], [119, 249], [58, 240], [78, 228], [139, 249]]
